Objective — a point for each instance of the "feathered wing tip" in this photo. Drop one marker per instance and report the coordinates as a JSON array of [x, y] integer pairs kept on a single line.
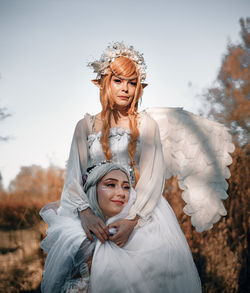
[[197, 151]]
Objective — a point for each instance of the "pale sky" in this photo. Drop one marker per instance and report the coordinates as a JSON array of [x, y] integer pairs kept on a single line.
[[46, 44]]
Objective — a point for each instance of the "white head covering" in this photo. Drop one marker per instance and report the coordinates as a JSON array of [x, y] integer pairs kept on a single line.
[[90, 187]]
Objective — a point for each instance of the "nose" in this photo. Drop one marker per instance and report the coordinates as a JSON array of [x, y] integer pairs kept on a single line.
[[121, 192], [125, 85]]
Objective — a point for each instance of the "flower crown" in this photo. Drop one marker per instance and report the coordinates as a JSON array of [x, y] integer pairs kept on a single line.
[[114, 51]]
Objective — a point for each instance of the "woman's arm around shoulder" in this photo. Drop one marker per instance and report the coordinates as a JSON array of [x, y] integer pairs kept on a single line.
[[73, 198]]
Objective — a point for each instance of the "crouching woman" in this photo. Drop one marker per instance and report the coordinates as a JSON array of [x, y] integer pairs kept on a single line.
[[68, 249]]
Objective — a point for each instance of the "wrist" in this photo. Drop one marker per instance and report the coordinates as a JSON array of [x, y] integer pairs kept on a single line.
[[135, 220], [85, 212]]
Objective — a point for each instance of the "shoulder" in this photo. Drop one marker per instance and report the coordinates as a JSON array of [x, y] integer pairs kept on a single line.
[[85, 124], [146, 120], [148, 127]]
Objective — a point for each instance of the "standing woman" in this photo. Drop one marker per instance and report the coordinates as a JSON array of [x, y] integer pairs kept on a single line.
[[151, 253]]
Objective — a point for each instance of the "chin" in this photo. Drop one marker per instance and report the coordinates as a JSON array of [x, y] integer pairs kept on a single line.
[[122, 105], [114, 213]]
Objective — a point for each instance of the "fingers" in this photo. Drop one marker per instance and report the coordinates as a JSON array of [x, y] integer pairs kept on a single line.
[[93, 224], [104, 228], [116, 238], [103, 232], [101, 229], [90, 237], [112, 238], [118, 241], [99, 233], [114, 225]]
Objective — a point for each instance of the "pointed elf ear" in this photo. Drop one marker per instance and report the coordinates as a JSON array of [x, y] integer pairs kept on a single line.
[[96, 82], [144, 85]]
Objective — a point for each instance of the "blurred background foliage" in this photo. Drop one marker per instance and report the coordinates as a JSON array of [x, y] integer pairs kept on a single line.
[[221, 254]]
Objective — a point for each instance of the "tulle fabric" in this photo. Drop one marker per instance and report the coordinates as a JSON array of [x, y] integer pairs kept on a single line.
[[156, 258], [67, 249]]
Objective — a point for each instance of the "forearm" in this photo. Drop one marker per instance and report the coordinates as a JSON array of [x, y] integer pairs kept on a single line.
[[85, 213], [134, 221]]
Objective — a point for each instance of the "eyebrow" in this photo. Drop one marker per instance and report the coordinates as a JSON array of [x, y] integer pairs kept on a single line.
[[124, 78], [115, 180]]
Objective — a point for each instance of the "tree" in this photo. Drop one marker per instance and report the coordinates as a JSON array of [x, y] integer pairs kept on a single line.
[[38, 184], [32, 188], [3, 115], [225, 249], [1, 182], [228, 101]]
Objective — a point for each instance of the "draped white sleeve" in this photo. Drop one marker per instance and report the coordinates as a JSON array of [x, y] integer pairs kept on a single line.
[[151, 183], [197, 151], [73, 197]]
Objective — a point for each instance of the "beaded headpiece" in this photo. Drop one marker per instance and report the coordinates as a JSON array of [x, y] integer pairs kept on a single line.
[[129, 170], [114, 51]]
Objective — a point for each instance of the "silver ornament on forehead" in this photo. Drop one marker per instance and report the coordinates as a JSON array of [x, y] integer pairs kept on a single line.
[[114, 51]]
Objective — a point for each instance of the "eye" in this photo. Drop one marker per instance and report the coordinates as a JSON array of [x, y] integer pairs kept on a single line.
[[117, 80], [111, 185], [127, 187], [133, 83]]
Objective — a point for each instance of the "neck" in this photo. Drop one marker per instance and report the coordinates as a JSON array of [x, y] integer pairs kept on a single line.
[[120, 114]]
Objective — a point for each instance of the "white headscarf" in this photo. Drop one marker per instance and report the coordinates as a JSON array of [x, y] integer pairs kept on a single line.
[[93, 179]]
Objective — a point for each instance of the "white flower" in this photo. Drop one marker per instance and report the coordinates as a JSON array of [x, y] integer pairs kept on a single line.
[[114, 51]]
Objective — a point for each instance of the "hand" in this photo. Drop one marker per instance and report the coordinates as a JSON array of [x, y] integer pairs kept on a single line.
[[124, 229], [92, 223]]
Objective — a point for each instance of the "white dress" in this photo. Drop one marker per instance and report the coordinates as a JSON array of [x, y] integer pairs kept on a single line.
[[156, 258]]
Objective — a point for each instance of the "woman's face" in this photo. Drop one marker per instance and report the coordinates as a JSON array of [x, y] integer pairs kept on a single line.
[[113, 192], [123, 91]]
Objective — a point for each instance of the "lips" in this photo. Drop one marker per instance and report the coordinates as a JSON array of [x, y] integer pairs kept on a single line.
[[118, 202], [123, 97]]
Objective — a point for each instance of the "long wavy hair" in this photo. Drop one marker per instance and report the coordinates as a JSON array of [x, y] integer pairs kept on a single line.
[[122, 67]]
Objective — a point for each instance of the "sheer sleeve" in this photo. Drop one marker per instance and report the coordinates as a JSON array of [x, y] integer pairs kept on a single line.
[[152, 169], [73, 197]]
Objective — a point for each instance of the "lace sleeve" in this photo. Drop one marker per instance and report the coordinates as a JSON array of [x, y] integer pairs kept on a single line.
[[73, 197], [151, 183]]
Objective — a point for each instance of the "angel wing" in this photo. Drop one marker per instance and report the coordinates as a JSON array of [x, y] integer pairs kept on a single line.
[[197, 151]]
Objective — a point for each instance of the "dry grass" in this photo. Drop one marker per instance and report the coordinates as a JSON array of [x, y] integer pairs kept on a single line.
[[28, 193], [17, 214]]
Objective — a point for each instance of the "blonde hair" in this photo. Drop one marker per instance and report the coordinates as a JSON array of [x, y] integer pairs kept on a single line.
[[122, 67]]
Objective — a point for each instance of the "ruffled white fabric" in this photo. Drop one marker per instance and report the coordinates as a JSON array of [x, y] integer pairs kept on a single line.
[[156, 258], [197, 151], [194, 148], [86, 150], [68, 248], [65, 237]]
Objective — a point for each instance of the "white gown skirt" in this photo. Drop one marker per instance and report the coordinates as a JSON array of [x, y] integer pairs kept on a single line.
[[156, 258]]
